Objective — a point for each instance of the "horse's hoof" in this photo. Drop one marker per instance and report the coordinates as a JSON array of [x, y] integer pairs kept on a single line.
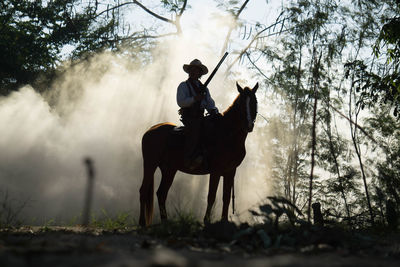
[[224, 219]]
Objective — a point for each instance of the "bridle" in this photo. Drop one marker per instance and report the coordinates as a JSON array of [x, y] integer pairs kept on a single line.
[[250, 121]]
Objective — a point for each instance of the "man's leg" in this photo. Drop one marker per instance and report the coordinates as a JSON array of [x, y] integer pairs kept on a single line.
[[192, 135]]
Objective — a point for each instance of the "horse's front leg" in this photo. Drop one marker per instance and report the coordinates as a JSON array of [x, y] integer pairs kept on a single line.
[[226, 198], [167, 177], [212, 191]]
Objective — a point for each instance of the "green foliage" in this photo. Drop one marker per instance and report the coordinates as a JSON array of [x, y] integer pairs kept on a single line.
[[121, 220], [182, 225], [387, 131], [302, 73], [173, 5], [374, 88], [33, 35], [390, 37], [37, 35], [47, 227], [307, 65], [381, 83], [232, 6]]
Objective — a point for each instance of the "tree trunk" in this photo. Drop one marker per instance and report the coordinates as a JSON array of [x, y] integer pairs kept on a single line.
[[336, 163], [314, 126], [296, 130], [358, 153], [313, 143]]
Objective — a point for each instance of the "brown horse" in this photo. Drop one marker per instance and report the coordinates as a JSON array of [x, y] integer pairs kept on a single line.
[[225, 152]]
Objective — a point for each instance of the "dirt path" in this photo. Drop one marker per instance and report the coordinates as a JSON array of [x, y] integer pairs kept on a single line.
[[74, 246]]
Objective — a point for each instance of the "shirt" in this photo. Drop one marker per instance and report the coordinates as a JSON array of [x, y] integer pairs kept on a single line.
[[185, 97]]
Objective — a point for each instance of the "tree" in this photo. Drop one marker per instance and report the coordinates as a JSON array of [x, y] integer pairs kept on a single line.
[[387, 131], [35, 35], [388, 83], [307, 72], [380, 81]]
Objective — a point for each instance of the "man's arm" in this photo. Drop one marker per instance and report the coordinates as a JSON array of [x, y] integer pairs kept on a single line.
[[210, 103], [183, 97]]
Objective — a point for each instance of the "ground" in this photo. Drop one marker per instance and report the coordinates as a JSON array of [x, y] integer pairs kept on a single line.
[[79, 246]]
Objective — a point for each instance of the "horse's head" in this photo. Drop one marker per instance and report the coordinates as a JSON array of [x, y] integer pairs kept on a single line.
[[248, 106]]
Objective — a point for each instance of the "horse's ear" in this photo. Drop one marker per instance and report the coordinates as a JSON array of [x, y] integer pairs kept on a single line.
[[255, 88], [240, 89]]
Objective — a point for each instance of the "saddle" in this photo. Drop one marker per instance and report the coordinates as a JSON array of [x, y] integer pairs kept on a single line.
[[178, 130], [209, 129]]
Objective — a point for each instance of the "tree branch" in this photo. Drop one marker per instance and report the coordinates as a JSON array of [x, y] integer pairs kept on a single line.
[[254, 39], [257, 68], [228, 36], [152, 13], [134, 2], [354, 123], [183, 8], [134, 38], [111, 9], [241, 9]]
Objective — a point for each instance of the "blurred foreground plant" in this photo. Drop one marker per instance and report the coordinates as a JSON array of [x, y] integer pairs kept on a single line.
[[278, 206]]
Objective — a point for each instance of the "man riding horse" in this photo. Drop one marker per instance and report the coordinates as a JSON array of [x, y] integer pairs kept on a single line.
[[163, 149], [192, 98]]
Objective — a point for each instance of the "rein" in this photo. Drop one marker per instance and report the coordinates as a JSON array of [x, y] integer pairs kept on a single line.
[[233, 197]]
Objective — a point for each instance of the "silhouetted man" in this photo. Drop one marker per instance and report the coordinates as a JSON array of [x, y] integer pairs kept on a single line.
[[193, 97]]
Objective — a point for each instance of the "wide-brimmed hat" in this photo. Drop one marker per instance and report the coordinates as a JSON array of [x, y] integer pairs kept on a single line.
[[195, 64]]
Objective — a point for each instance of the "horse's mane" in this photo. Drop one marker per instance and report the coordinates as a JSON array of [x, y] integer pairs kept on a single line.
[[232, 106], [235, 103], [232, 109]]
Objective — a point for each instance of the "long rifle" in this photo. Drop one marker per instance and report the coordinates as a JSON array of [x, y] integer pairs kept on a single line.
[[215, 69], [205, 85]]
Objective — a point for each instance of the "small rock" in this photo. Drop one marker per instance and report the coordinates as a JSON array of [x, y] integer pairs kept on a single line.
[[325, 247], [147, 244], [166, 257], [307, 249], [225, 248]]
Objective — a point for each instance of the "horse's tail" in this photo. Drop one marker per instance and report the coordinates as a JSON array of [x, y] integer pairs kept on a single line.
[[146, 200], [153, 145], [147, 188]]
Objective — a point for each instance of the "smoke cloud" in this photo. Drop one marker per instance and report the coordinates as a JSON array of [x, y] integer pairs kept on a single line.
[[100, 109]]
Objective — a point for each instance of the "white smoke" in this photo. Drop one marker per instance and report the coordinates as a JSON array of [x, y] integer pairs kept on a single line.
[[100, 109]]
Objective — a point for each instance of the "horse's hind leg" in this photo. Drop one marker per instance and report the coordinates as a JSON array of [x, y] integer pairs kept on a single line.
[[146, 194], [167, 177], [226, 198], [212, 191]]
